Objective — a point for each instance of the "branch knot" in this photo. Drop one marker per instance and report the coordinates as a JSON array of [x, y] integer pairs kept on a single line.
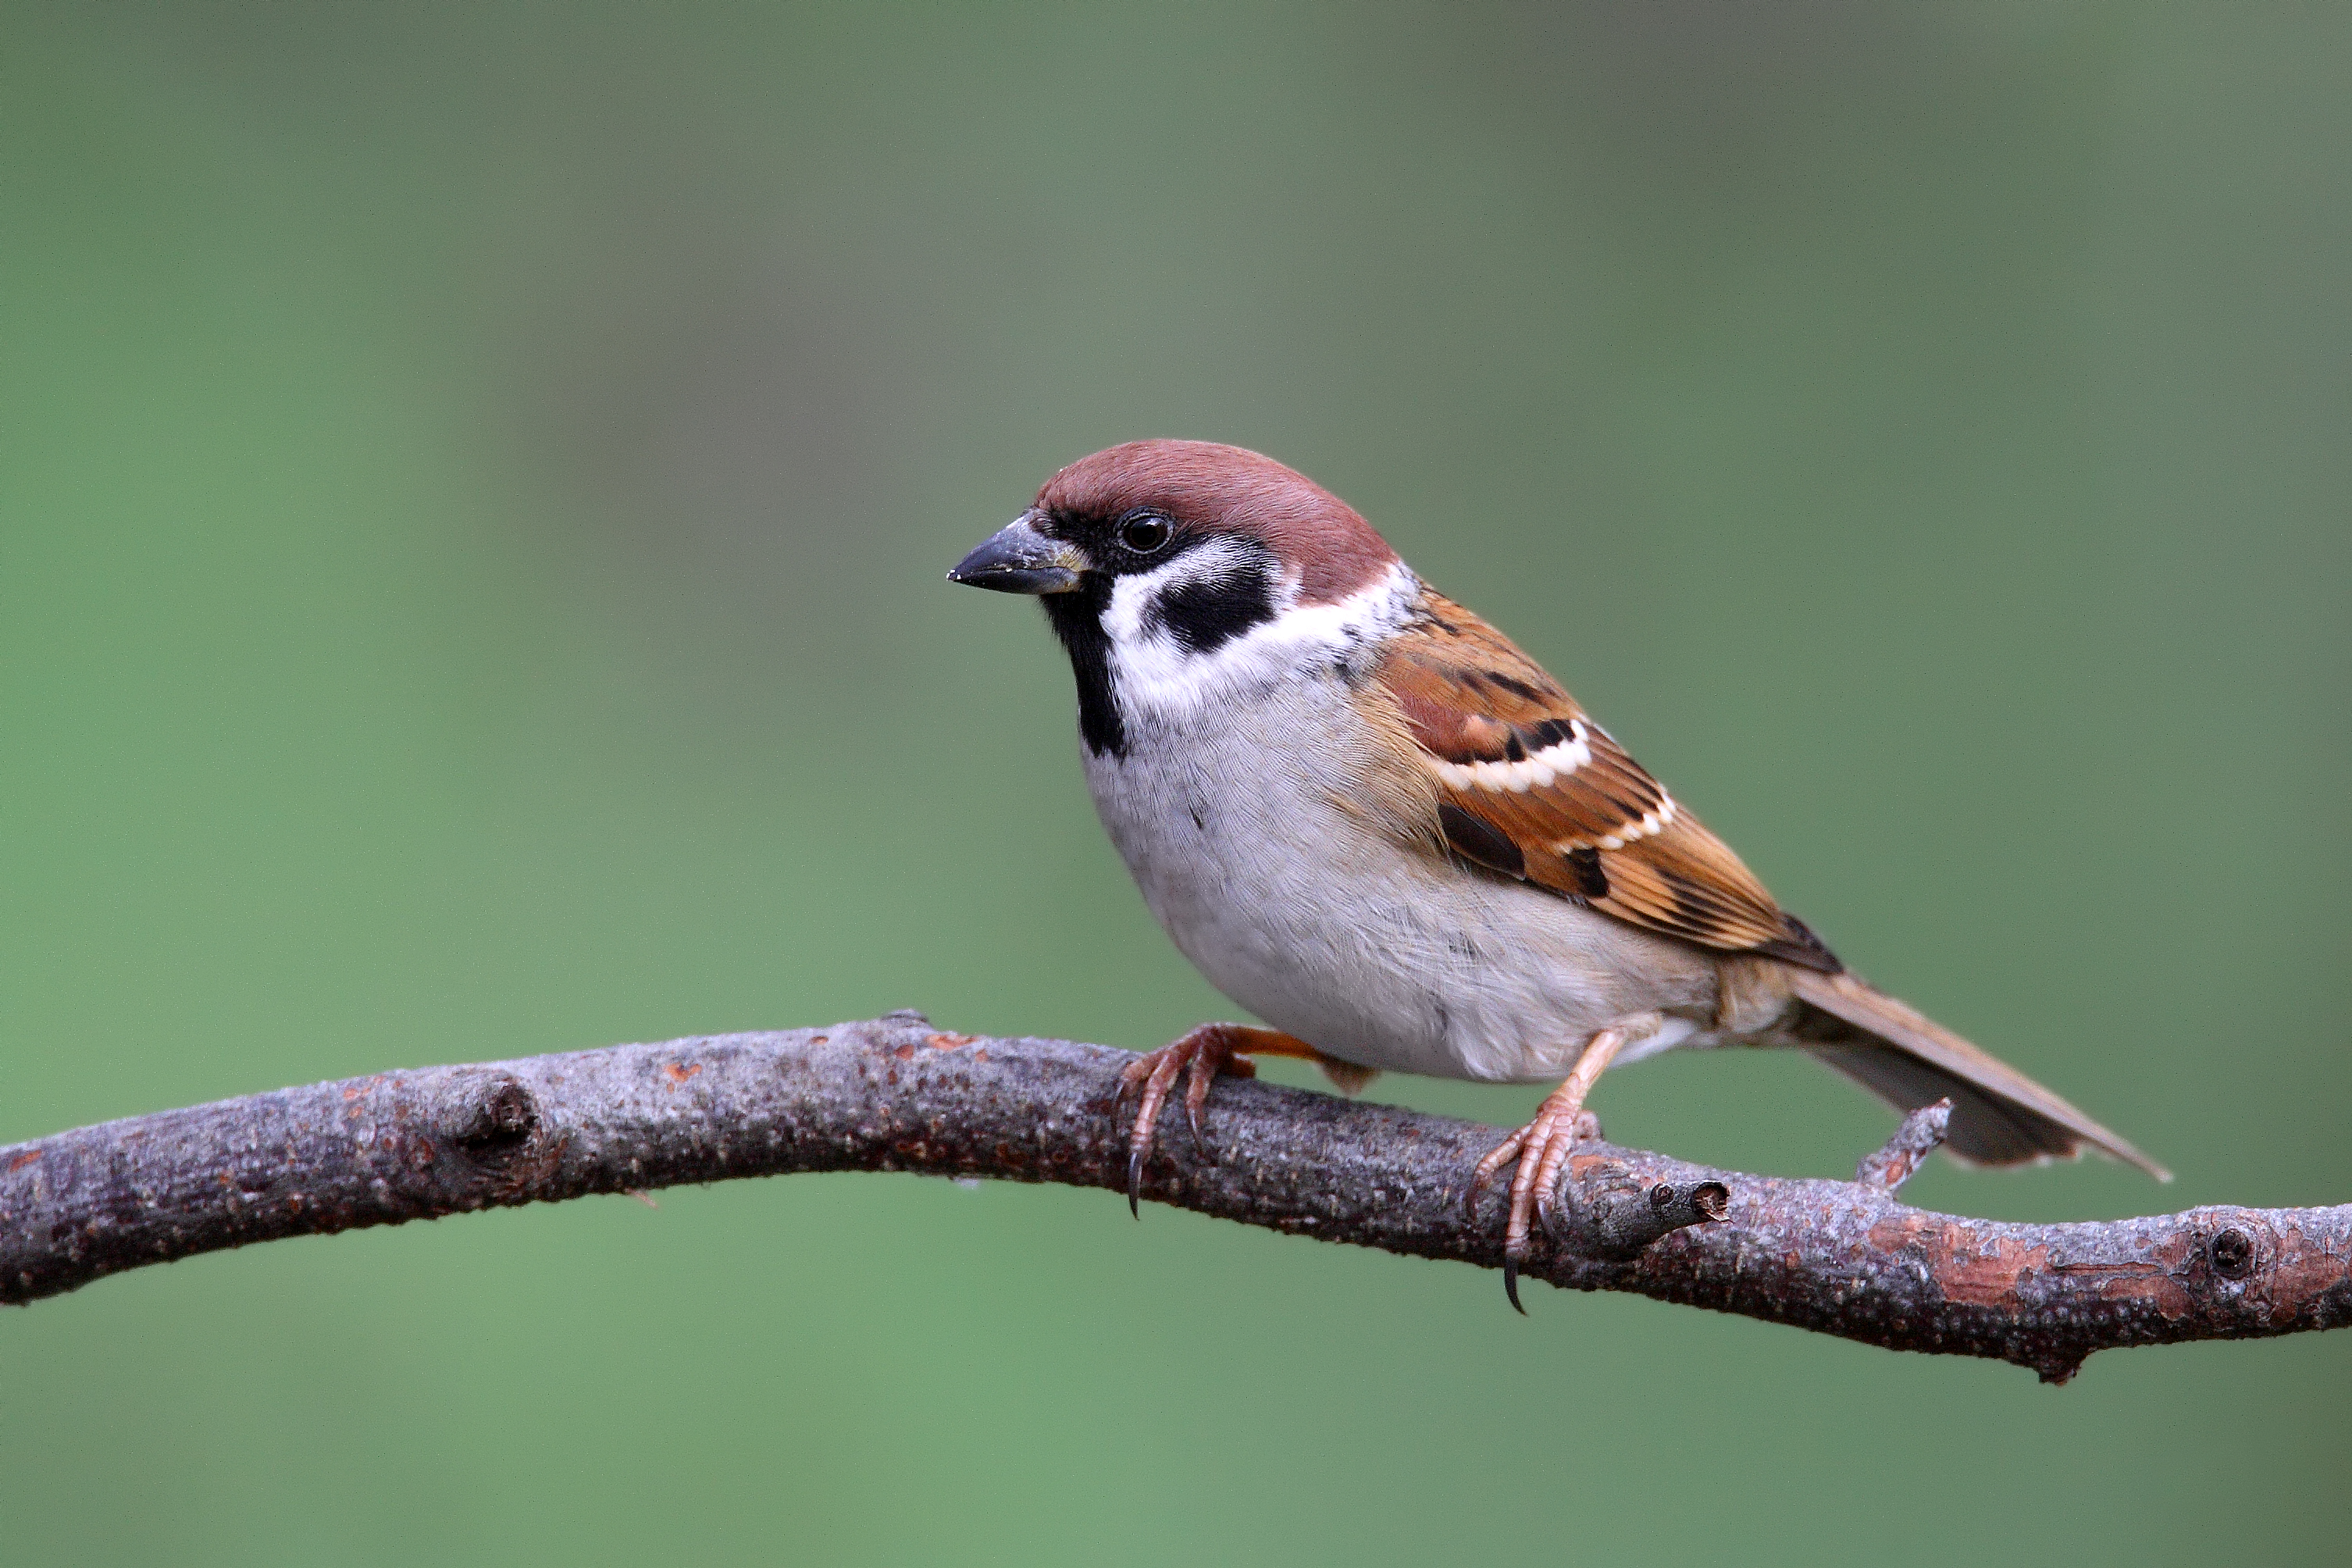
[[499, 1121]]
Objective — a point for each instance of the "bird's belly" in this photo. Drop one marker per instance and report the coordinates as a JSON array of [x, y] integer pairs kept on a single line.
[[1366, 948]]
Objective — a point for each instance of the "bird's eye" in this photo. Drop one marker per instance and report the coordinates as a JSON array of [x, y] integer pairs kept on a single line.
[[1144, 532]]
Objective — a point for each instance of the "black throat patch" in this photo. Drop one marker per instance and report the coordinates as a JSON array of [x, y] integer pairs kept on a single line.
[[1076, 619]]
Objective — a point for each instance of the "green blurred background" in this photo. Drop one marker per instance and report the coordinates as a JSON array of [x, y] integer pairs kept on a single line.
[[475, 487]]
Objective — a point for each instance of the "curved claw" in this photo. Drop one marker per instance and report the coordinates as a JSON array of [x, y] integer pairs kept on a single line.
[[1200, 1055], [1156, 1073], [1514, 1251], [1544, 1147], [1197, 1079]]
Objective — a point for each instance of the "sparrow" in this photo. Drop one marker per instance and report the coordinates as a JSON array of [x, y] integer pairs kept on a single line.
[[1370, 820]]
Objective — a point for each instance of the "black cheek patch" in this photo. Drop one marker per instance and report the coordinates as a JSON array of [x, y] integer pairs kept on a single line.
[[1207, 614]]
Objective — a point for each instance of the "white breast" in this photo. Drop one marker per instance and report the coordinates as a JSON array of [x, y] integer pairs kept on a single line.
[[1367, 950]]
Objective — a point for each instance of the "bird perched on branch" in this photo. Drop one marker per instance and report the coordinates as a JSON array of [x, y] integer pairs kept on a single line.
[[1376, 824]]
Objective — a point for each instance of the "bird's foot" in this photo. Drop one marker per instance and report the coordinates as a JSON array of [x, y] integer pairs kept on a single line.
[[1199, 1056], [1543, 1148]]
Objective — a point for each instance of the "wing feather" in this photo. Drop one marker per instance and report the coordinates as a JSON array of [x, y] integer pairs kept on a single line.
[[1529, 786]]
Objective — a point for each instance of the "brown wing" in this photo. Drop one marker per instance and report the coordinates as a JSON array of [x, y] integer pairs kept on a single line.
[[1529, 787]]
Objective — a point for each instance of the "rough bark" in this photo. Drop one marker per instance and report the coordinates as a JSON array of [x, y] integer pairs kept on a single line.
[[897, 1094]]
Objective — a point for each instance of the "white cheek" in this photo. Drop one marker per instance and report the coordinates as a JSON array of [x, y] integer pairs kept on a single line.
[[1157, 677], [1131, 596]]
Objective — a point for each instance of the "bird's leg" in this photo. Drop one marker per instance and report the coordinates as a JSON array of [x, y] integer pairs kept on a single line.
[[1541, 1147], [1200, 1055]]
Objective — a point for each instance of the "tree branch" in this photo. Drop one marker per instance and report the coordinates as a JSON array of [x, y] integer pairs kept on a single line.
[[896, 1094]]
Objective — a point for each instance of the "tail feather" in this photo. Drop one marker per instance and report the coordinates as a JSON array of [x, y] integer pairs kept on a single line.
[[1999, 1116]]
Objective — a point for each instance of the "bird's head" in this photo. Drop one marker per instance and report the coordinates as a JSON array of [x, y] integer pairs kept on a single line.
[[1172, 570]]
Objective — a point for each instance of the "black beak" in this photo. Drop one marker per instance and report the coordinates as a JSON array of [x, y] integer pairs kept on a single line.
[[1017, 559]]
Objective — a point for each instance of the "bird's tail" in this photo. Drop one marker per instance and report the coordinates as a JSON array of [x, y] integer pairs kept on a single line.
[[1999, 1116]]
